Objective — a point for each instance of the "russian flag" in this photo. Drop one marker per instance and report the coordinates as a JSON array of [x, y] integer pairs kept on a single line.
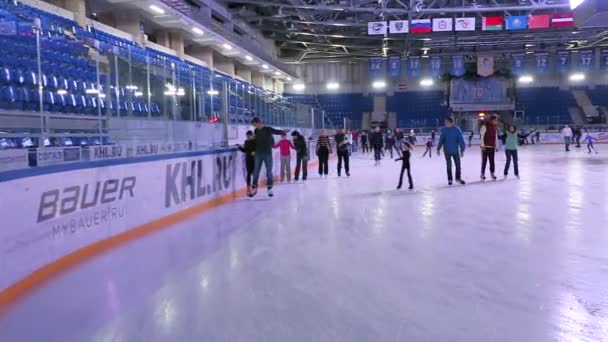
[[421, 26], [562, 20]]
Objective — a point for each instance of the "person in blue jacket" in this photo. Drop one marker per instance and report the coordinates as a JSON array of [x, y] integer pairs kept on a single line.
[[452, 141]]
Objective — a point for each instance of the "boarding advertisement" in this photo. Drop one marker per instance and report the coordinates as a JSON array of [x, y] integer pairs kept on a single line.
[[57, 155], [13, 159]]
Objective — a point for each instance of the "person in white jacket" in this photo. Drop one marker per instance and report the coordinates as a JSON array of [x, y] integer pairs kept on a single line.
[[567, 134]]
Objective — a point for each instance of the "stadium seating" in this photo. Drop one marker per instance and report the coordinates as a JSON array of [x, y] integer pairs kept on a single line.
[[417, 109], [545, 105], [337, 106]]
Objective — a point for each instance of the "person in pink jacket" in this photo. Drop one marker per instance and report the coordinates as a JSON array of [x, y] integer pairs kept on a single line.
[[285, 146]]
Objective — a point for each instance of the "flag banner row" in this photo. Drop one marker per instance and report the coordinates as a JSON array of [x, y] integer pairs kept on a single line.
[[488, 23], [562, 62]]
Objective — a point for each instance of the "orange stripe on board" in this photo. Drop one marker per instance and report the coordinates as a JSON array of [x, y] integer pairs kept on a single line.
[[21, 288]]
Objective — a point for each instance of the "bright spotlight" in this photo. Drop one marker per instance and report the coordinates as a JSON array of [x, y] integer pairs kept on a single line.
[[227, 46], [299, 86], [333, 85], [577, 77], [574, 3], [426, 82], [198, 31], [526, 79], [249, 58], [157, 9], [264, 66], [379, 84]]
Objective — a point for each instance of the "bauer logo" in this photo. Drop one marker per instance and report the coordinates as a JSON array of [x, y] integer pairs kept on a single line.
[[59, 202], [197, 178]]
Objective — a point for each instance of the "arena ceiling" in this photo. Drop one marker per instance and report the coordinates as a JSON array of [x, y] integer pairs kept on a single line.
[[336, 30]]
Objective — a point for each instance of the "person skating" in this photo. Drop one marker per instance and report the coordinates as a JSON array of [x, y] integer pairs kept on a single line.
[[390, 142], [355, 141], [364, 143], [264, 141], [412, 138], [577, 135], [399, 136], [342, 148], [248, 148], [433, 136], [511, 142], [429, 148], [323, 152], [405, 165], [301, 155], [567, 134], [452, 141], [285, 146], [377, 144], [471, 138], [489, 143], [589, 140], [537, 134]]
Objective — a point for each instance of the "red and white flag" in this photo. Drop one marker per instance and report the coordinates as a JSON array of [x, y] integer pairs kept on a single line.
[[539, 21], [562, 20]]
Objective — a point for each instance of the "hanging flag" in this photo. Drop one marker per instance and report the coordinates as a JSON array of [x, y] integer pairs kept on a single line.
[[465, 24], [399, 26], [604, 60], [539, 21], [414, 66], [394, 66], [492, 23], [562, 20], [421, 26], [436, 67], [518, 63], [376, 28], [442, 24], [376, 66], [542, 62], [585, 60], [517, 22], [562, 61], [485, 65], [457, 66]]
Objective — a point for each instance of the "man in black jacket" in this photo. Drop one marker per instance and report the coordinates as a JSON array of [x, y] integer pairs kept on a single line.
[[342, 149], [264, 141], [377, 144], [301, 155]]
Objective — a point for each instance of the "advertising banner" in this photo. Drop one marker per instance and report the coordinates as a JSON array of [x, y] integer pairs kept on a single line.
[[542, 62], [57, 155], [107, 152], [13, 159]]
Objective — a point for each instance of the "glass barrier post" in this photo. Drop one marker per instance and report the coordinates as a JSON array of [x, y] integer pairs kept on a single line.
[[148, 87]]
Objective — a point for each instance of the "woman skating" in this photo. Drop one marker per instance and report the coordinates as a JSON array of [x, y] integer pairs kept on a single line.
[[405, 165], [323, 152], [511, 141]]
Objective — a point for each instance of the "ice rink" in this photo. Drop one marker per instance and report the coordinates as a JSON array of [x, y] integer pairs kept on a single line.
[[353, 259]]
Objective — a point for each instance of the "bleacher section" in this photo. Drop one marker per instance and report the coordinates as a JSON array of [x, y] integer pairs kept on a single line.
[[337, 106], [599, 95], [547, 105], [417, 109]]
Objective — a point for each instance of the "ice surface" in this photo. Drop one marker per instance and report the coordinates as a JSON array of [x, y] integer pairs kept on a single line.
[[354, 260]]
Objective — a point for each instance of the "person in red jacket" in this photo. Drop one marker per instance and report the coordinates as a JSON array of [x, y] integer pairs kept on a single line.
[[489, 143], [285, 146]]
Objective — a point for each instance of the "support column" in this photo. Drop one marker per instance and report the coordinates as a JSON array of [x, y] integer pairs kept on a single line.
[[223, 64], [132, 23], [243, 72], [203, 53], [257, 79], [79, 8], [173, 40]]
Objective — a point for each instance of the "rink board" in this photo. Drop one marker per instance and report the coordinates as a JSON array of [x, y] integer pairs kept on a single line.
[[50, 221]]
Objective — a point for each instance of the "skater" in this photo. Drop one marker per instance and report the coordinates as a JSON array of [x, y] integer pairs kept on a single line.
[[567, 134], [589, 140], [364, 143], [412, 138], [489, 144], [471, 139], [285, 146], [433, 135], [376, 142], [405, 158], [355, 141], [399, 136], [323, 152], [248, 148], [390, 142], [578, 134], [264, 141], [511, 142], [452, 141], [302, 156], [537, 134], [342, 148], [429, 148]]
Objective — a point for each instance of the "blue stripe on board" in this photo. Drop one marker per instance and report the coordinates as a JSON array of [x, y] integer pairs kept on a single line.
[[6, 176]]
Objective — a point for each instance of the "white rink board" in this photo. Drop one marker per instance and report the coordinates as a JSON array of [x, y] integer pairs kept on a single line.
[[49, 216]]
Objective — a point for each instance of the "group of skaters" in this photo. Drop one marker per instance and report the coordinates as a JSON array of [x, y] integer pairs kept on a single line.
[[258, 151], [573, 136]]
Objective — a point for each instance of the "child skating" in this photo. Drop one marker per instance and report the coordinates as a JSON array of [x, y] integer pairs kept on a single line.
[[429, 148], [405, 165], [249, 149], [285, 146], [511, 141], [589, 140]]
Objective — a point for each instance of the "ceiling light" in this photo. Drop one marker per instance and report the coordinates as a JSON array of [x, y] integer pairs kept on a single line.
[[157, 9], [62, 92], [299, 86], [333, 85], [288, 79], [264, 66], [138, 93], [577, 77], [426, 82], [198, 31], [379, 84], [249, 58], [227, 46], [277, 73], [526, 79]]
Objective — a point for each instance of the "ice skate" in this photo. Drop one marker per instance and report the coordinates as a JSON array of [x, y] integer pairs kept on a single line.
[[461, 182], [482, 177], [493, 177], [253, 192], [270, 194]]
